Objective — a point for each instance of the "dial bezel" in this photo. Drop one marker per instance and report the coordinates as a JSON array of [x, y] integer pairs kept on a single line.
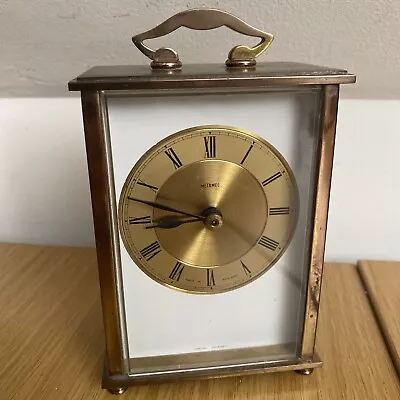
[[171, 139]]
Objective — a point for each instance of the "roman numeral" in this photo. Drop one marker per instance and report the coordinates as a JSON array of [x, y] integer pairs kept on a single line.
[[210, 277], [151, 251], [271, 178], [247, 153], [141, 183], [173, 157], [140, 220], [245, 269], [210, 143], [279, 210], [268, 243], [177, 271]]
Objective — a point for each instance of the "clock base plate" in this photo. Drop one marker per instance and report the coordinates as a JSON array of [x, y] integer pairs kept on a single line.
[[115, 382]]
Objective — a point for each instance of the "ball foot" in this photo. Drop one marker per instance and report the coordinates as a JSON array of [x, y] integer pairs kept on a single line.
[[120, 390], [307, 371]]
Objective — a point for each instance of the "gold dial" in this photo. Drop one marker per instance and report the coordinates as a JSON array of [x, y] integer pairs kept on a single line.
[[208, 209]]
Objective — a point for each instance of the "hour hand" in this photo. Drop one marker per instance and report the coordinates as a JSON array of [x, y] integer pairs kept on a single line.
[[171, 222]]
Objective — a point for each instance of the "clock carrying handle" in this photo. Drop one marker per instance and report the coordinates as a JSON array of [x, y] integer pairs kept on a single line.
[[203, 19]]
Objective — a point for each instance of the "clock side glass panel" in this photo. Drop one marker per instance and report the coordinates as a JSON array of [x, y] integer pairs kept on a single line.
[[244, 163]]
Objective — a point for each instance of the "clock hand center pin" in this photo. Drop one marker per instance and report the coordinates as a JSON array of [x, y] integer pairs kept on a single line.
[[213, 218]]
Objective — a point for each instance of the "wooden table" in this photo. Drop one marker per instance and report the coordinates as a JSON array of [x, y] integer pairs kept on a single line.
[[382, 283], [52, 343]]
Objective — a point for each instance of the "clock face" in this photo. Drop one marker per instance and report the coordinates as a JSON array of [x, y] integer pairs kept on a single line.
[[208, 209]]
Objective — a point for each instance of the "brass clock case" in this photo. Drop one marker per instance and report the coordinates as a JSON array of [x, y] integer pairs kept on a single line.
[[153, 179]]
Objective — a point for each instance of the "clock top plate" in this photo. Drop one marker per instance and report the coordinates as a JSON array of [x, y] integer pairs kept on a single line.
[[208, 76]]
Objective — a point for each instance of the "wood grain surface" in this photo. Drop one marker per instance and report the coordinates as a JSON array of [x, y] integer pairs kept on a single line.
[[52, 343], [382, 283]]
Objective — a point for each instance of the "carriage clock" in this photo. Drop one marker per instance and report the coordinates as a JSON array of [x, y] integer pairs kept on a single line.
[[210, 186]]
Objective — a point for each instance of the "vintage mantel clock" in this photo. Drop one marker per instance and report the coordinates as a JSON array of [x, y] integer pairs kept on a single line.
[[210, 187]]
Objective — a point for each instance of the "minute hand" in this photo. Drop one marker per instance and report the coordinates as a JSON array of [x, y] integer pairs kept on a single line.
[[165, 208]]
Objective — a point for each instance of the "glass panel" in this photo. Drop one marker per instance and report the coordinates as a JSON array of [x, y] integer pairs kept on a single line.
[[261, 321]]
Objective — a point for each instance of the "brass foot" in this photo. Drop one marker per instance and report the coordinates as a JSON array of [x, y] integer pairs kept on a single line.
[[120, 390], [307, 371]]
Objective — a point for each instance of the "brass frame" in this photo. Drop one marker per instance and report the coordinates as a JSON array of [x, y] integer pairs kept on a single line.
[[94, 112], [206, 77], [320, 211], [115, 375]]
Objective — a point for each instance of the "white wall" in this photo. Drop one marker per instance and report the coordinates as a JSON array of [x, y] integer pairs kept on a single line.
[[364, 215], [44, 43], [44, 193]]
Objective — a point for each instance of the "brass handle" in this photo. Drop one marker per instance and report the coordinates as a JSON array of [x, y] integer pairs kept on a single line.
[[203, 19]]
